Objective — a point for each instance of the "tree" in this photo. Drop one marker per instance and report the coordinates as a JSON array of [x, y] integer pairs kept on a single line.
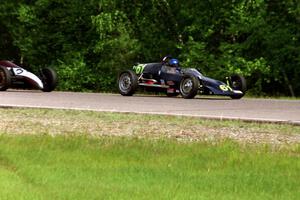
[[89, 42]]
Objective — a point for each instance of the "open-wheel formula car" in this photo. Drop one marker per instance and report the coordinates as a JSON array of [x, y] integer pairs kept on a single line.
[[14, 76], [168, 77]]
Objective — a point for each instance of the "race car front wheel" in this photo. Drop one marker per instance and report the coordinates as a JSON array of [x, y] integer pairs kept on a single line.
[[49, 79], [189, 86], [238, 82], [127, 83], [5, 79]]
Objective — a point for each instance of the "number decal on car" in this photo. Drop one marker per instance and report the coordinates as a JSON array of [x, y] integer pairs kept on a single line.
[[225, 88], [139, 68], [18, 71]]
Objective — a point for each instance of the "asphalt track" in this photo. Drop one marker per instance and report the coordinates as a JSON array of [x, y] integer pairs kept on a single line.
[[260, 110]]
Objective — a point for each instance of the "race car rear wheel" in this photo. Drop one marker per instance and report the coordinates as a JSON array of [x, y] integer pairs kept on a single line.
[[189, 86], [127, 83], [238, 82], [49, 79], [5, 79]]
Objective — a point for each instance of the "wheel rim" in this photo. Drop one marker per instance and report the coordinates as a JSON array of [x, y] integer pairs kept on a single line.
[[125, 82], [186, 86], [236, 84], [47, 78]]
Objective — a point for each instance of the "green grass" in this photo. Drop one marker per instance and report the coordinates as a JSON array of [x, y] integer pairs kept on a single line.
[[62, 167], [63, 154]]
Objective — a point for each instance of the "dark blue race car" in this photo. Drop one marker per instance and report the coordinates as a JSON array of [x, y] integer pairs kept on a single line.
[[168, 77]]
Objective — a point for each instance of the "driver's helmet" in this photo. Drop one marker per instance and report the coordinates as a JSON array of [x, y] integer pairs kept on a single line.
[[173, 63]]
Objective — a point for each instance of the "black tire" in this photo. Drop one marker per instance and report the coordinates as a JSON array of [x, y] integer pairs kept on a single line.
[[189, 86], [49, 79], [127, 83], [5, 78], [238, 82]]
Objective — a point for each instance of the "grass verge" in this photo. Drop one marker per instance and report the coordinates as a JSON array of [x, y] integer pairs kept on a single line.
[[70, 122], [55, 154], [62, 167]]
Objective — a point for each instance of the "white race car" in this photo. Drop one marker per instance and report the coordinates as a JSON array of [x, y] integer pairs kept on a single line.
[[14, 76]]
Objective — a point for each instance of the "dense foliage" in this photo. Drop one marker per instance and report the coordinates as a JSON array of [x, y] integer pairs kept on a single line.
[[90, 41]]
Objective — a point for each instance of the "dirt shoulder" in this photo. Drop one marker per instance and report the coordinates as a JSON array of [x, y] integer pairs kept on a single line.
[[68, 122]]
